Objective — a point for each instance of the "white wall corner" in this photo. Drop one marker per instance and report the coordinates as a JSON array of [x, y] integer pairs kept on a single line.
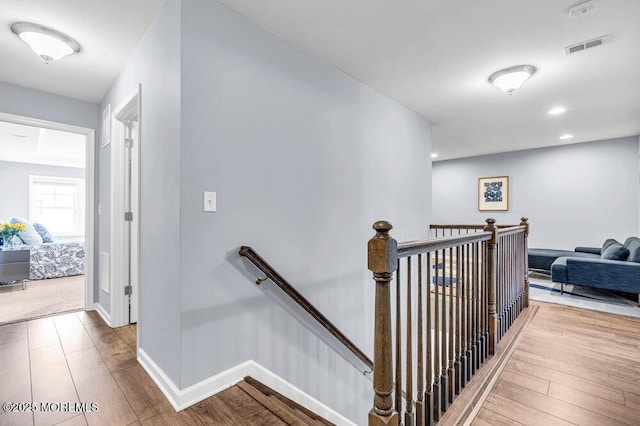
[[184, 398], [103, 313], [166, 385]]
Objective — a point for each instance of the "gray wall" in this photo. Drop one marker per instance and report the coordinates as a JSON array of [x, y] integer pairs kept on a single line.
[[304, 159], [32, 103], [155, 64], [14, 185], [573, 195]]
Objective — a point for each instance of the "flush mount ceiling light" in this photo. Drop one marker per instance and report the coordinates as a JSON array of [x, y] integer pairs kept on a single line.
[[434, 155], [566, 136], [510, 79], [47, 43], [556, 110]]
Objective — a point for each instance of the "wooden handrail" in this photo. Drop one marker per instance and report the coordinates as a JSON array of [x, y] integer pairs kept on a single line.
[[436, 226], [466, 226], [411, 248], [511, 230], [290, 291]]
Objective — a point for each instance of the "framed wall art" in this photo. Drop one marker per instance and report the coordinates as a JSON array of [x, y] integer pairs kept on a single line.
[[493, 193]]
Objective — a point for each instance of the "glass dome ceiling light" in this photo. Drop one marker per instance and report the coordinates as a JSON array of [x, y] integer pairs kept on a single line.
[[47, 43], [510, 79]]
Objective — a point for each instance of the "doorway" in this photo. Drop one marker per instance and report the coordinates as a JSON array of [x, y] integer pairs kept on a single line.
[[58, 190]]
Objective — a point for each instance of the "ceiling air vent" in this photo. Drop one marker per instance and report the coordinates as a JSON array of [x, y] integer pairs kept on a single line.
[[585, 45]]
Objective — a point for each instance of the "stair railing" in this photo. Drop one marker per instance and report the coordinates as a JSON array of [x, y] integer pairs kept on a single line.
[[466, 289], [289, 290], [439, 230]]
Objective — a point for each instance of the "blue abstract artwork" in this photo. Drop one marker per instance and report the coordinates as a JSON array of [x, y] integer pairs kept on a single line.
[[493, 192]]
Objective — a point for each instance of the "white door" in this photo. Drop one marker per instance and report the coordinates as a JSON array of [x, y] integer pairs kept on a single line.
[[125, 214], [131, 214]]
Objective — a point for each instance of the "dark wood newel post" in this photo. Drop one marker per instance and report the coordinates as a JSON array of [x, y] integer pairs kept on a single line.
[[525, 222], [492, 264], [382, 260]]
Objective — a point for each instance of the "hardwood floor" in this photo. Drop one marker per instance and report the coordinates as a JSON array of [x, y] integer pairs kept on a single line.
[[76, 358], [571, 366]]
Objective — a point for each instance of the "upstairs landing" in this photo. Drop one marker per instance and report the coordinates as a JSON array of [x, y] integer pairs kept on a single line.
[[76, 358]]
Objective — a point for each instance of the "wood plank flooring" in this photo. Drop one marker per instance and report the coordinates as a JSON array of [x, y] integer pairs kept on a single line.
[[571, 366], [76, 358]]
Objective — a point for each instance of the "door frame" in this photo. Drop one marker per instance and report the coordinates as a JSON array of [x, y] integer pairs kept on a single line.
[[128, 107], [90, 190]]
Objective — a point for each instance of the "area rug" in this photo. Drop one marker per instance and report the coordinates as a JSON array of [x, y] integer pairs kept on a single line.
[[542, 289], [41, 298]]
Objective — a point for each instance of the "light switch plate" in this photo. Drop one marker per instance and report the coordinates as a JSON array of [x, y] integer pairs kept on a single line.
[[209, 202]]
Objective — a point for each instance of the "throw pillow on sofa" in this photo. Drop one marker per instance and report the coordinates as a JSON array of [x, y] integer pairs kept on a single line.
[[43, 232], [29, 236], [633, 245], [615, 251], [607, 243]]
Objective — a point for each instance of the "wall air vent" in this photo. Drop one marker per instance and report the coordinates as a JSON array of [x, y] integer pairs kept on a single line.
[[585, 45]]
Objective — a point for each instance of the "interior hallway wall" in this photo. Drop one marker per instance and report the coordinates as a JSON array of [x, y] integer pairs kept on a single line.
[[304, 159], [33, 103]]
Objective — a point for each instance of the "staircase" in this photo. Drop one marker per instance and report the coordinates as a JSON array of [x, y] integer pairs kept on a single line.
[[250, 402], [455, 296]]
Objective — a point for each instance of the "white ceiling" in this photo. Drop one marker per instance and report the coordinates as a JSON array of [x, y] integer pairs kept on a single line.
[[433, 56], [29, 144]]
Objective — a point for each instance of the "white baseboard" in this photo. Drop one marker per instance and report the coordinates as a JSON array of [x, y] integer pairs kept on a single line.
[[103, 313], [184, 398], [166, 385], [285, 388]]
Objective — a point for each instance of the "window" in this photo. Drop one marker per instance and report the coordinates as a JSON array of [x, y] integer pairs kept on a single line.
[[58, 204]]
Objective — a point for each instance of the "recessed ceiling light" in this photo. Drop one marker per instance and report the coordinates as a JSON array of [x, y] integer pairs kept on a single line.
[[566, 136], [557, 110], [47, 43], [510, 79], [434, 155]]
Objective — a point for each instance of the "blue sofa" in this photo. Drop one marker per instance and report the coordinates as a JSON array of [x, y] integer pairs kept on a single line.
[[540, 260], [614, 266]]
